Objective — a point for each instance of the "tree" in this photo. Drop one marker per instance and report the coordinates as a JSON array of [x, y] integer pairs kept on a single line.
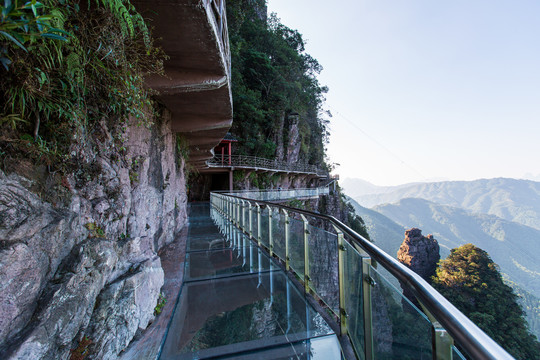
[[471, 281], [273, 77]]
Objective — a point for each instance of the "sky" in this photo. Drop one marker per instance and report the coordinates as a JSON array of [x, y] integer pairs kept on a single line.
[[426, 90]]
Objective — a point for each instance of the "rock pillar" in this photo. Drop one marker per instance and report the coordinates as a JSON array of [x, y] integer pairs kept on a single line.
[[420, 254]]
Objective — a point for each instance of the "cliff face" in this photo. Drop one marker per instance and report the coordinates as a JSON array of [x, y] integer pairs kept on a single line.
[[88, 265]]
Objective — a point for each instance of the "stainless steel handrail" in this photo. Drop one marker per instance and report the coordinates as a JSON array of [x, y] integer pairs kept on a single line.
[[470, 337]]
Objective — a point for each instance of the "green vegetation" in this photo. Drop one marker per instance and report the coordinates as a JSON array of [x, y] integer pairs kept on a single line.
[[67, 66], [356, 222], [95, 230], [160, 304], [531, 306], [471, 281], [273, 78], [277, 96]]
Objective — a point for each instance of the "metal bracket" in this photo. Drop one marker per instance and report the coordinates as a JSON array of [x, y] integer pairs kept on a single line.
[[370, 280]]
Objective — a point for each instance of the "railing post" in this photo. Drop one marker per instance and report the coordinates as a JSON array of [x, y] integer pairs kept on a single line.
[[233, 208], [258, 224], [237, 212], [341, 276], [306, 254], [442, 343], [222, 204], [368, 282], [270, 237], [230, 209], [250, 217], [287, 250], [242, 217]]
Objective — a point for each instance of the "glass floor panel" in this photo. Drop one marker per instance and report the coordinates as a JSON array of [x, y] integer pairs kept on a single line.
[[198, 210], [226, 262], [242, 313], [319, 348], [209, 243]]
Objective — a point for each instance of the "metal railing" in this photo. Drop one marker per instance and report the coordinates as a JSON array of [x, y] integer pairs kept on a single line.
[[357, 282], [281, 195], [253, 162]]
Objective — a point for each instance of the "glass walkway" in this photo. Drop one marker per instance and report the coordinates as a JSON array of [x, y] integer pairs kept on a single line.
[[236, 303]]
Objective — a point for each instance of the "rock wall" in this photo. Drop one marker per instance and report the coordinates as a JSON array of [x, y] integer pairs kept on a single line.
[[87, 265], [293, 148]]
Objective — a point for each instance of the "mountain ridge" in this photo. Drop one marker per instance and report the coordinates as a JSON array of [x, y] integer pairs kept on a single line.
[[510, 199]]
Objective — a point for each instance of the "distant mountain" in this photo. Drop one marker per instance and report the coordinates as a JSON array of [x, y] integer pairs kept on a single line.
[[385, 233], [514, 247], [359, 187], [509, 199]]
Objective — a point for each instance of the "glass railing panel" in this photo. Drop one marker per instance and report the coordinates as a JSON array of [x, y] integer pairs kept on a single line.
[[323, 266], [296, 246], [265, 240], [354, 303], [457, 355], [278, 233], [400, 329], [243, 259]]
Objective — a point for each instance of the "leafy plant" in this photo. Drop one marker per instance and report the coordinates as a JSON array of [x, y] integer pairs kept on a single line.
[[25, 23], [160, 304], [75, 67], [95, 230]]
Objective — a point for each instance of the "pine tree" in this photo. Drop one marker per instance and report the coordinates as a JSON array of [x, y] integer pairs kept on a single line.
[[471, 281]]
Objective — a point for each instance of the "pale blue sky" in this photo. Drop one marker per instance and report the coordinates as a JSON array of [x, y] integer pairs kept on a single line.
[[427, 89]]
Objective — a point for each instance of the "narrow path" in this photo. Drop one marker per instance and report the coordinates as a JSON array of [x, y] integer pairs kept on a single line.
[[235, 303]]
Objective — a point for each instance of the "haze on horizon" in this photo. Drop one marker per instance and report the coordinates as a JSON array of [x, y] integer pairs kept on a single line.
[[423, 90]]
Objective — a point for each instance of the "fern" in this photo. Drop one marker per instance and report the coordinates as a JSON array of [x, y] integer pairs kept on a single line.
[[128, 17]]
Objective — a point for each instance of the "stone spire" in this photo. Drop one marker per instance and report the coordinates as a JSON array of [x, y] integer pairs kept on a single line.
[[419, 253]]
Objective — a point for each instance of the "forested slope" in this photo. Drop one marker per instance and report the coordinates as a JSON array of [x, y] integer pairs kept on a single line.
[[277, 97]]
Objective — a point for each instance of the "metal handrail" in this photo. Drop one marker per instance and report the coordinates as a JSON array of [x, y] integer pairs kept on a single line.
[[470, 337], [253, 162]]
